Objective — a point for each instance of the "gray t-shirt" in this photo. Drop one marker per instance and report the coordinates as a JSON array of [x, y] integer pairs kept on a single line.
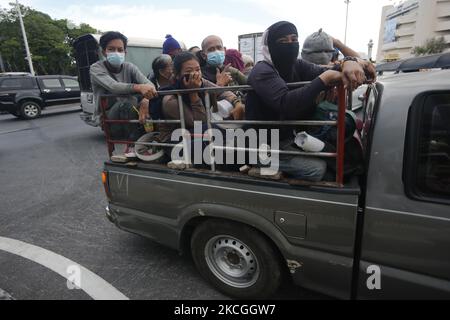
[[106, 82]]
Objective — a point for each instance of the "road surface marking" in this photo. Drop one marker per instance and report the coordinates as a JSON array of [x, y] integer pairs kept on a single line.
[[15, 130], [96, 287]]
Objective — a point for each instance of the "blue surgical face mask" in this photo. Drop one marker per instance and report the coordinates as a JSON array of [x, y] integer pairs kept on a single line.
[[116, 59], [216, 58]]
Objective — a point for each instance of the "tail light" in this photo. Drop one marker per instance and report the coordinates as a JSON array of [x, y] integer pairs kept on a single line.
[[106, 184]]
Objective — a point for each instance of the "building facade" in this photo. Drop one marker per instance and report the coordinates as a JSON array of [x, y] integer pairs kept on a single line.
[[411, 24]]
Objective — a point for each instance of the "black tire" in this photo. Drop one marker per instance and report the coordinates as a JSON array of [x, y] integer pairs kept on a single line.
[[209, 241], [30, 110]]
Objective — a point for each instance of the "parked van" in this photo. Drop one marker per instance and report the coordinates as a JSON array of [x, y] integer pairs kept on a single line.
[[140, 51]]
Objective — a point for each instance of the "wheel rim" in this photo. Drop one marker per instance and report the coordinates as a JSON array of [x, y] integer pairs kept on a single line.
[[31, 110], [232, 261]]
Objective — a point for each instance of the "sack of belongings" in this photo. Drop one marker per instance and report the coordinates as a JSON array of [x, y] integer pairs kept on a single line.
[[353, 155]]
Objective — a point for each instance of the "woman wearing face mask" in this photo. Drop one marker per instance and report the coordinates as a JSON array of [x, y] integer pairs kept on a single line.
[[188, 75], [161, 78], [115, 76], [162, 71], [273, 100]]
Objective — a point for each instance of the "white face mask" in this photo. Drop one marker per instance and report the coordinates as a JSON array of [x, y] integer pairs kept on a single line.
[[116, 59], [216, 58]]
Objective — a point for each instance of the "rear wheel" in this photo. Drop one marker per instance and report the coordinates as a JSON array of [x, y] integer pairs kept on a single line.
[[236, 259], [30, 110]]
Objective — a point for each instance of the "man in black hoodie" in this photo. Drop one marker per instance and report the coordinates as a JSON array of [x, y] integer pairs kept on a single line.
[[272, 100]]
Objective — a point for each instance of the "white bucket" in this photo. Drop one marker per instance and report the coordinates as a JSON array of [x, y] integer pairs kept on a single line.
[[309, 143], [224, 108]]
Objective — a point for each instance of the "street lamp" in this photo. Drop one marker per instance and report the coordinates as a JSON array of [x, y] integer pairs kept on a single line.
[[25, 40], [347, 2], [370, 47]]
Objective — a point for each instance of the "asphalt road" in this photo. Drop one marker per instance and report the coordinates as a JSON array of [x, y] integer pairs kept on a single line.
[[51, 196]]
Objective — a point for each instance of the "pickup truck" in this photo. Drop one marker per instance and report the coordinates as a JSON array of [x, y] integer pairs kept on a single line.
[[382, 235], [25, 96]]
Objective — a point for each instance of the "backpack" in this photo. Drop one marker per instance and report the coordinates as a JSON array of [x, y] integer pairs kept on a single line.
[[326, 111], [353, 154], [155, 108]]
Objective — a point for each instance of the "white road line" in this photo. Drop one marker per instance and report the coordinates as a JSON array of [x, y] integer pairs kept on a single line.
[[96, 287]]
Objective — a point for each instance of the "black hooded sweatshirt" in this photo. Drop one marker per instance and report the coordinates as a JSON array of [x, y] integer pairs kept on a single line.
[[271, 99]]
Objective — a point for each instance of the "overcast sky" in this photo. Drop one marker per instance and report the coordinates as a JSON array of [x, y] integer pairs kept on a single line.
[[191, 21]]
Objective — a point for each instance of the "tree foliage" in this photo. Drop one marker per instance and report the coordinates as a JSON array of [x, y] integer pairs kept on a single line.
[[50, 41], [432, 46]]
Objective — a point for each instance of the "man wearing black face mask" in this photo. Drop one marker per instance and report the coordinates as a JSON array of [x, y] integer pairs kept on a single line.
[[272, 99]]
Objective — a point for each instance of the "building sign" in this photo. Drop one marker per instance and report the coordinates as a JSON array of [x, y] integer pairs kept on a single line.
[[250, 44], [392, 57], [403, 9], [390, 28]]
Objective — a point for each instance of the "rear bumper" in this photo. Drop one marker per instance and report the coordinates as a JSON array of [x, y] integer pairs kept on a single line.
[[144, 224], [110, 215]]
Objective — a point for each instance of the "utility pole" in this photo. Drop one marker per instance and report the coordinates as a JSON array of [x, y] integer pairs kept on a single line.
[[347, 2], [25, 40], [2, 66]]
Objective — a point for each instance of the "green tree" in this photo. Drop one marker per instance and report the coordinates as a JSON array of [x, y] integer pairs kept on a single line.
[[432, 46], [50, 41]]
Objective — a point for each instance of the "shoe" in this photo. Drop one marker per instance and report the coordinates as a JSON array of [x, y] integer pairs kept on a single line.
[[130, 153]]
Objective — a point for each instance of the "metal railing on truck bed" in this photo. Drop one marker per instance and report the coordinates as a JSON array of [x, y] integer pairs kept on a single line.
[[343, 98]]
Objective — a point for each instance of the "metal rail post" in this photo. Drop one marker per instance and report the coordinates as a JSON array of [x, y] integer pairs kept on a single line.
[[105, 125], [340, 136], [210, 138], [186, 150]]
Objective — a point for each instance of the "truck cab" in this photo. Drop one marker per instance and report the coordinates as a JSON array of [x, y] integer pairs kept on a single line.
[[406, 217]]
